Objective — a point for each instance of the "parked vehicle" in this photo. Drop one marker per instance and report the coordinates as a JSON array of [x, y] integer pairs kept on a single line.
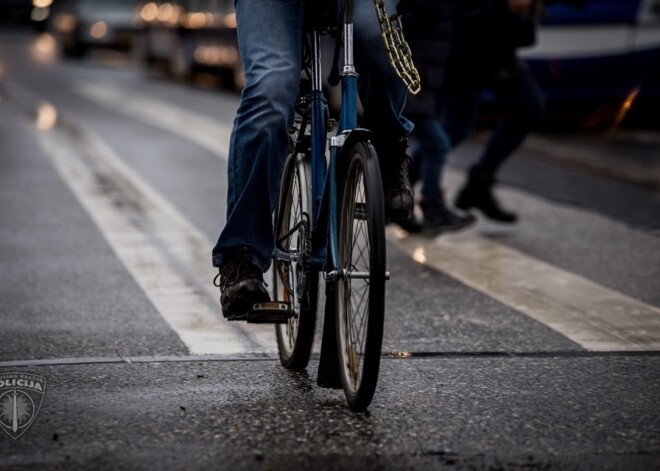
[[600, 66], [84, 24], [187, 36]]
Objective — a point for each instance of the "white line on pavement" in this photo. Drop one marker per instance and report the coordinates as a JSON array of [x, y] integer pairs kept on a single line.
[[147, 236], [210, 135], [597, 318]]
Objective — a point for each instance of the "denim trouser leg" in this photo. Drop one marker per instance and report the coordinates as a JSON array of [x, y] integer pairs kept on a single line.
[[270, 43], [431, 151], [382, 93]]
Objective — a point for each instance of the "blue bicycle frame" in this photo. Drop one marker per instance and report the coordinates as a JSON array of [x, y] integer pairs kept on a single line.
[[324, 174], [325, 185]]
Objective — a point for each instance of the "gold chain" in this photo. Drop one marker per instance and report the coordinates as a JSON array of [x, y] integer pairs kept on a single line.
[[397, 48]]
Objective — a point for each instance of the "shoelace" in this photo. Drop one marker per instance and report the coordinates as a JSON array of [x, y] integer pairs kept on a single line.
[[403, 168], [237, 269], [216, 280]]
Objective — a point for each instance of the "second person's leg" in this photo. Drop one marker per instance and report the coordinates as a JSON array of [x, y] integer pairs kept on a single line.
[[383, 98], [524, 107]]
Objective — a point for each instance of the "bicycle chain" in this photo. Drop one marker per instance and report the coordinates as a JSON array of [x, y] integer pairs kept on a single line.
[[397, 48]]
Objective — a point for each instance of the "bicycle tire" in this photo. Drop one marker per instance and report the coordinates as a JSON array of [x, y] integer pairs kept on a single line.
[[294, 282], [360, 290]]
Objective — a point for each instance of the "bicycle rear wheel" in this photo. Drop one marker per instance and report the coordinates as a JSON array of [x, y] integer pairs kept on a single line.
[[293, 281], [360, 291]]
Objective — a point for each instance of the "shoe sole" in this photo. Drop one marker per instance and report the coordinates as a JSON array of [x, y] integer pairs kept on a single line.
[[494, 219], [467, 207]]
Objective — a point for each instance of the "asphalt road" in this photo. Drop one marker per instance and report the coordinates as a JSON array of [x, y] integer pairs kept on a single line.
[[534, 346]]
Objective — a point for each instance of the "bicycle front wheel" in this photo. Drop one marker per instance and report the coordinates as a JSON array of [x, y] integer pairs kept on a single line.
[[293, 281], [360, 291]]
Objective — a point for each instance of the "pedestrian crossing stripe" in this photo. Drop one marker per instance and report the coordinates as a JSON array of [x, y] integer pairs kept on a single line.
[[595, 317]]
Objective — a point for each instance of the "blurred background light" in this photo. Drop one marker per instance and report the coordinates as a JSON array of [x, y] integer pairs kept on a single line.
[[39, 14], [98, 30], [419, 255], [42, 3], [46, 116], [149, 12]]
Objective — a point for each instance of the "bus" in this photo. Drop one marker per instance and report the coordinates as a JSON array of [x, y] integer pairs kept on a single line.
[[600, 66]]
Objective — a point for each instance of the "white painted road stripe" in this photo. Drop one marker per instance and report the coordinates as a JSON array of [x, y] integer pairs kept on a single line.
[[181, 303], [598, 318], [208, 134]]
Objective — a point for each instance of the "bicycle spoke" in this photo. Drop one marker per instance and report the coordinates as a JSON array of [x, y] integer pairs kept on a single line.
[[357, 297], [361, 295], [291, 285]]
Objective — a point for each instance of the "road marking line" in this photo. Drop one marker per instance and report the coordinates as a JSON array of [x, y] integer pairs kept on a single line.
[[207, 133], [140, 233], [211, 135], [597, 318], [249, 356]]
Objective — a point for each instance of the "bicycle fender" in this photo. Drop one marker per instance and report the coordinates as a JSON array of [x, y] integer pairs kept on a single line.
[[350, 138], [353, 136]]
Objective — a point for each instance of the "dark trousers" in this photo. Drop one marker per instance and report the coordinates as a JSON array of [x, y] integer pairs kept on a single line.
[[524, 107]]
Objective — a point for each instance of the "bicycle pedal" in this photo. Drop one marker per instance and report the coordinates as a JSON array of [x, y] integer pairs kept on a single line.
[[270, 313]]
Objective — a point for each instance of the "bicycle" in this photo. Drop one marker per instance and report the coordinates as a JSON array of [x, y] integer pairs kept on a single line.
[[330, 219]]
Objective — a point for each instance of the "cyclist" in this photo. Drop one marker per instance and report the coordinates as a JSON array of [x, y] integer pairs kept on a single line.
[[270, 38]]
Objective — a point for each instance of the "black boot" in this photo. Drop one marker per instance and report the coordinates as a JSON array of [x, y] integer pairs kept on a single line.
[[478, 193], [438, 218], [399, 197]]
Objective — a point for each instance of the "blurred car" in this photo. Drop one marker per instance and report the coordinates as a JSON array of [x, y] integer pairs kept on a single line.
[[188, 36], [600, 66], [84, 24]]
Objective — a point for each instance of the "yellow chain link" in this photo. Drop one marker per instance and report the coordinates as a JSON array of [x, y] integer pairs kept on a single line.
[[397, 48]]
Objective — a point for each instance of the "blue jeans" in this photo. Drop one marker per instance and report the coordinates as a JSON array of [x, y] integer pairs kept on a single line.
[[524, 107], [431, 146], [270, 35]]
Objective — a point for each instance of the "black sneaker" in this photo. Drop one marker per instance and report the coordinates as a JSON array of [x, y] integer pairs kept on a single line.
[[241, 285], [399, 196], [438, 218], [411, 226]]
